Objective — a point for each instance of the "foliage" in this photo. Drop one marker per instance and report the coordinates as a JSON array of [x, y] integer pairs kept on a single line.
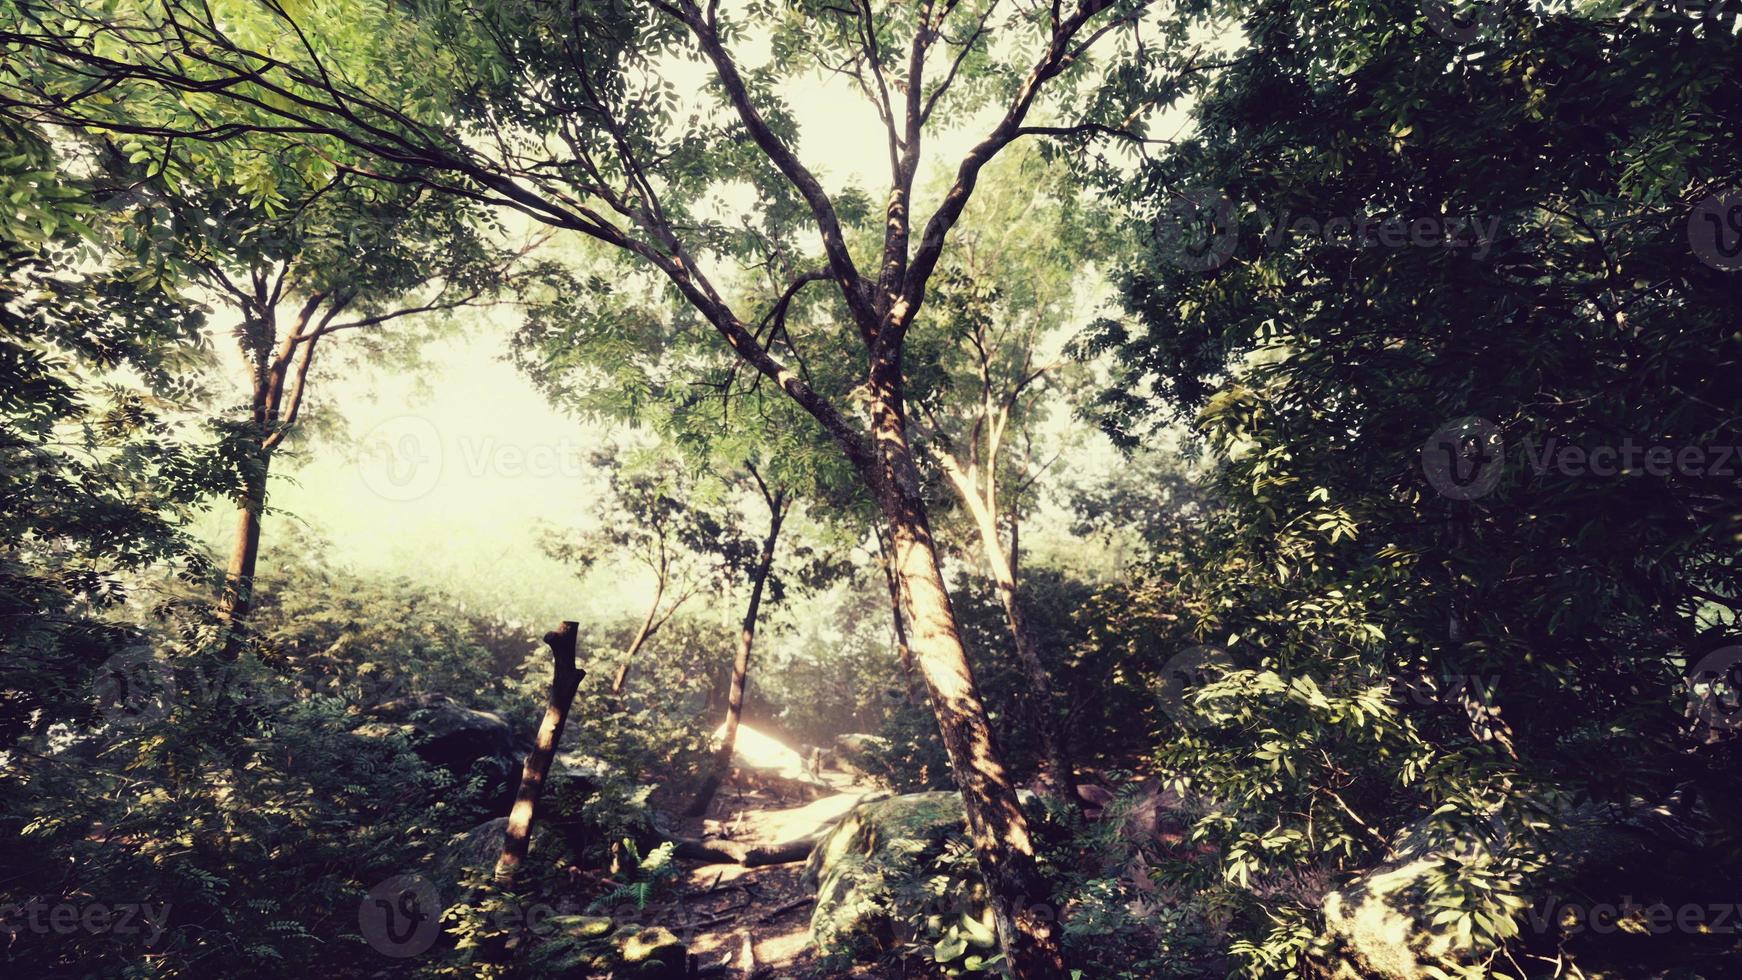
[[1393, 654], [99, 464]]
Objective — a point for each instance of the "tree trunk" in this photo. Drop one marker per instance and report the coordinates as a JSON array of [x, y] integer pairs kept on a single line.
[[237, 598], [740, 670], [565, 678], [1055, 769], [1027, 925], [621, 678], [903, 654]]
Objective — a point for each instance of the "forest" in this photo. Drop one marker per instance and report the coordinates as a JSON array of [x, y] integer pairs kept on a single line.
[[800, 489]]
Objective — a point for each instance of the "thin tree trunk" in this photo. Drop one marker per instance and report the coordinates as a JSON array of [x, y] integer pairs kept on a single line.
[[237, 599], [740, 668], [1027, 925], [1055, 768], [622, 676], [565, 678]]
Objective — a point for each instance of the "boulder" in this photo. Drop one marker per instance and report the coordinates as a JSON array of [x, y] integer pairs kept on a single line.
[[593, 806], [761, 761], [445, 732], [1381, 925], [651, 952], [462, 740], [853, 868], [473, 855], [856, 752]]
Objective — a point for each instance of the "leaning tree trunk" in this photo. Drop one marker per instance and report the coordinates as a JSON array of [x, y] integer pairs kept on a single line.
[[1026, 923], [621, 678], [740, 671], [1055, 768], [565, 678]]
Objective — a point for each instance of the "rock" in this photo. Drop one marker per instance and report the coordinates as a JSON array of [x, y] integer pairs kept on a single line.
[[462, 740], [650, 952], [761, 761], [1380, 925], [590, 946], [853, 867], [476, 852], [446, 733], [856, 753]]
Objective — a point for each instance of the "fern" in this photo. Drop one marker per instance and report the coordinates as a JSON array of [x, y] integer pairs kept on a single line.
[[651, 874]]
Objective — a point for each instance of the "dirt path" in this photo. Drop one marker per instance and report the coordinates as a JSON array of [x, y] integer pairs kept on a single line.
[[755, 922]]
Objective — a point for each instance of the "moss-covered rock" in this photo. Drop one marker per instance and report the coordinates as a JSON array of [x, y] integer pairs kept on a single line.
[[1385, 924], [650, 951], [855, 868], [582, 947]]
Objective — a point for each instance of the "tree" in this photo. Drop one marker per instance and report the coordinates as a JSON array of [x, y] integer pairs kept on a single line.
[[565, 678], [659, 521], [1008, 291], [562, 114], [99, 469], [778, 503], [601, 350], [323, 254]]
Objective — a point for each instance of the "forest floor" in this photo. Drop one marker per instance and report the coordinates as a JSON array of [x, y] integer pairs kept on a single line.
[[755, 922]]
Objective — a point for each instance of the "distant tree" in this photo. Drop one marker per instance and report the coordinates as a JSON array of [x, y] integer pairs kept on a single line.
[[656, 517], [322, 254], [991, 367]]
